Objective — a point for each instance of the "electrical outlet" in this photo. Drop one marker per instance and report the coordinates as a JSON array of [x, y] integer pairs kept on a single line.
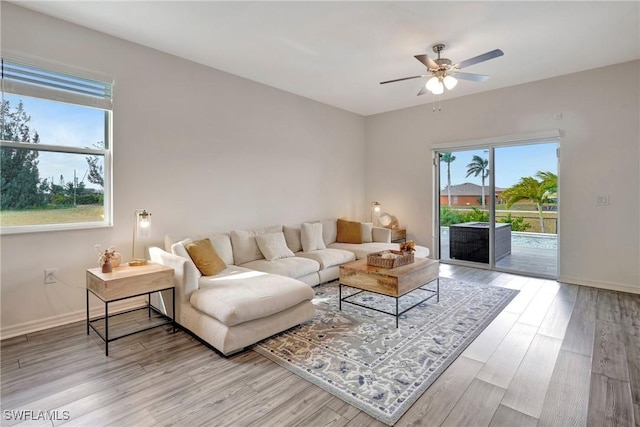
[[602, 200], [50, 275]]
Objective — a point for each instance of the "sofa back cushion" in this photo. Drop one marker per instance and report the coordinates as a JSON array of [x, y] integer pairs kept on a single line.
[[311, 236], [244, 245], [222, 244], [329, 231], [367, 232], [292, 236], [179, 248]]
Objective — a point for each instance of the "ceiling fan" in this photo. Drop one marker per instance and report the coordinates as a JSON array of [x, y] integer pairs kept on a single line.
[[442, 72]]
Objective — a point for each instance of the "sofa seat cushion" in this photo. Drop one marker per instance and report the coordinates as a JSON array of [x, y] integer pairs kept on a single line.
[[291, 267], [328, 257], [362, 250], [244, 295]]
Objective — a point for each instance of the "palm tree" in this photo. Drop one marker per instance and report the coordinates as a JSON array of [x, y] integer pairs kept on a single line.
[[530, 188], [448, 158], [479, 166], [549, 181]]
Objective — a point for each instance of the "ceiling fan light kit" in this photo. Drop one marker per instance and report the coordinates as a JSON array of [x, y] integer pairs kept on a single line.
[[435, 85], [450, 82], [442, 71]]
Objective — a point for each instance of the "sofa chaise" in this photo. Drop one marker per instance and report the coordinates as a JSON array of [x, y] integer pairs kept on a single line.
[[265, 284]]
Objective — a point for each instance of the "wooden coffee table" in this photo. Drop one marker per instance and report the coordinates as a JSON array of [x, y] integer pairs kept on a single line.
[[392, 282]]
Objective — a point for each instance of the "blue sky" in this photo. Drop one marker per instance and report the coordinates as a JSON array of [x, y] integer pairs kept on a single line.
[[59, 123], [512, 163]]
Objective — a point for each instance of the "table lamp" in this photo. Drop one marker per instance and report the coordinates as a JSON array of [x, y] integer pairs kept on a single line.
[[141, 228], [375, 209]]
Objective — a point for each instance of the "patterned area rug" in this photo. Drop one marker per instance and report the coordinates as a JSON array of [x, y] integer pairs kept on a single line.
[[359, 356]]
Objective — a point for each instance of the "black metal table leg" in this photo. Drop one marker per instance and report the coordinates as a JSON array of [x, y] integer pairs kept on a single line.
[[174, 309], [340, 297], [107, 337], [87, 311], [106, 329]]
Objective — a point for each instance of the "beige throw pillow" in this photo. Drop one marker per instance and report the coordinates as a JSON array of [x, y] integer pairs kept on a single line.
[[349, 232], [311, 236], [273, 246], [205, 257]]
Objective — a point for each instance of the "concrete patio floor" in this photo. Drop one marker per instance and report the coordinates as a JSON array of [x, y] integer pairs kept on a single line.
[[528, 260]]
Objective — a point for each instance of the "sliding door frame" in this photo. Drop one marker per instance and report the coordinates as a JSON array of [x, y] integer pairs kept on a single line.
[[491, 144]]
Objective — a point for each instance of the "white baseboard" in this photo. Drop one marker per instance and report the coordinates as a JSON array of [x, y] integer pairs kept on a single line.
[[65, 319], [611, 286]]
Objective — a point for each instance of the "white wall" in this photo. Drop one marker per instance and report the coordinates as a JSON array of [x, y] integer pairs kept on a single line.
[[600, 154], [202, 150]]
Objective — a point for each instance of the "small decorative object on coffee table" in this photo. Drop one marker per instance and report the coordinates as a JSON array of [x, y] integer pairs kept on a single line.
[[409, 246], [389, 259]]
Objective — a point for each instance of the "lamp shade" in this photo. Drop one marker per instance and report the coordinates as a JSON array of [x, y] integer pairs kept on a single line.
[[450, 82], [141, 229], [431, 84], [375, 209], [438, 88], [143, 226]]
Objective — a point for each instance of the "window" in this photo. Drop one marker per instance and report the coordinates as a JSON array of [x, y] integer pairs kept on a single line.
[[55, 148]]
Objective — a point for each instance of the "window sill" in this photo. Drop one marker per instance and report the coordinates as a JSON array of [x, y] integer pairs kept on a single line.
[[43, 228]]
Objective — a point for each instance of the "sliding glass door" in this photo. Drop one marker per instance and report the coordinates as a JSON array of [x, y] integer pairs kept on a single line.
[[465, 205], [498, 207]]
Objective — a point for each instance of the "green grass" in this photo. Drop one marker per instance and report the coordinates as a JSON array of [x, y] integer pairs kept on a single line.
[[83, 213]]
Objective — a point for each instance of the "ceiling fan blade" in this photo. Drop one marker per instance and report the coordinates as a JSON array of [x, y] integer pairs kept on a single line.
[[404, 78], [470, 76], [423, 90], [477, 59], [428, 62]]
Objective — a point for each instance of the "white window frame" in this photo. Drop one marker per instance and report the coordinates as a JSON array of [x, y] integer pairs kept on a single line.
[[34, 91]]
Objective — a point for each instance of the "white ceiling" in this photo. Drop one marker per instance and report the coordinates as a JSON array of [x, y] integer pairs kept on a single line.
[[338, 52]]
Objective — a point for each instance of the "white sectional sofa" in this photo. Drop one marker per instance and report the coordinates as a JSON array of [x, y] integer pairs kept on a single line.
[[255, 296]]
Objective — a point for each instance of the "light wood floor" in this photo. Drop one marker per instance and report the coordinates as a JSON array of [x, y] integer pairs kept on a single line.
[[558, 355]]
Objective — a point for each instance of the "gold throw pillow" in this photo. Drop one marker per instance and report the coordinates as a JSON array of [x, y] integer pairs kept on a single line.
[[349, 232], [205, 257]]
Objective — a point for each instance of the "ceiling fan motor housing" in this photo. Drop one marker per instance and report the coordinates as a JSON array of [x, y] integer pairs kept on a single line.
[[443, 62]]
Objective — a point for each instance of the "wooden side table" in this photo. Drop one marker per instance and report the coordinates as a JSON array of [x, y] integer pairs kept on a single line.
[[398, 235], [128, 282]]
